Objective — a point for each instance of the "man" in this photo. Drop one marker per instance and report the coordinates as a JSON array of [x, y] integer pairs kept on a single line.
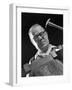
[[43, 63]]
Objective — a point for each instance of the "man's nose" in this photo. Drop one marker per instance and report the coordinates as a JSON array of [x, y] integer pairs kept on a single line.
[[40, 37]]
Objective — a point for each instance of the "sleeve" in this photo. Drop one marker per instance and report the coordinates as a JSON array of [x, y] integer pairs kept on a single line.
[[60, 65], [27, 66], [55, 67]]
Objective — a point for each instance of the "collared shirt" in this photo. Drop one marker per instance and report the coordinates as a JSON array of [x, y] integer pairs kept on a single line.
[[50, 51]]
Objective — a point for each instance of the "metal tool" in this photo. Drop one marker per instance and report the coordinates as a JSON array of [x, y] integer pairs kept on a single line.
[[53, 25]]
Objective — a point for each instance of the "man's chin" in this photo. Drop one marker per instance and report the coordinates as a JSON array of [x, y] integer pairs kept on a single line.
[[44, 48]]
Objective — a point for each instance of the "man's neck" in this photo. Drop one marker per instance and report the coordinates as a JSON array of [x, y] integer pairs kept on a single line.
[[47, 51]]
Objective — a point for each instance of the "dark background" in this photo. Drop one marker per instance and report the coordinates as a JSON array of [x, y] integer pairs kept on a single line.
[[27, 20]]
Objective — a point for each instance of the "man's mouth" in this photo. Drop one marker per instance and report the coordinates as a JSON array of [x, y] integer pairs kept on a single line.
[[44, 43]]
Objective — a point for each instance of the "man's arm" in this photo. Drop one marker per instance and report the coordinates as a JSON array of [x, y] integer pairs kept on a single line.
[[27, 67]]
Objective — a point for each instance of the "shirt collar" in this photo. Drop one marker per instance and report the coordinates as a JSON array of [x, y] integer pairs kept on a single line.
[[44, 54]]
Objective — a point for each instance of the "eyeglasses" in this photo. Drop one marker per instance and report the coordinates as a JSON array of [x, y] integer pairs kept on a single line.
[[41, 34]]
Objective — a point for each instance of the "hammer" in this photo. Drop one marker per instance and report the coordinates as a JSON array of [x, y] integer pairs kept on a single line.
[[52, 24]]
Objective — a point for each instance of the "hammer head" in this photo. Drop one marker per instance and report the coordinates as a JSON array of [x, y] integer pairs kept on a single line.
[[47, 22]]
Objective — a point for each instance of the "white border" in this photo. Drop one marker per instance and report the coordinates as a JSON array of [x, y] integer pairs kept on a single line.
[[12, 45], [17, 79]]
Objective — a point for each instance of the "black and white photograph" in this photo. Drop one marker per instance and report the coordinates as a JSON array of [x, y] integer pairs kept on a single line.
[[38, 45], [41, 44]]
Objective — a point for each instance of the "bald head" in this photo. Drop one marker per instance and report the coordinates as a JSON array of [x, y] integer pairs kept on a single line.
[[35, 29]]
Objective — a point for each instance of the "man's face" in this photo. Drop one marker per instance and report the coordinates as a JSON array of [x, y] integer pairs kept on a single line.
[[41, 38]]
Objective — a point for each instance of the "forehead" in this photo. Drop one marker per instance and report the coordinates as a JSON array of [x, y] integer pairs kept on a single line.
[[37, 29]]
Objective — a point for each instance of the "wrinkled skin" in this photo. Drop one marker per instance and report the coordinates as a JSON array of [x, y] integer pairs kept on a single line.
[[41, 38]]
